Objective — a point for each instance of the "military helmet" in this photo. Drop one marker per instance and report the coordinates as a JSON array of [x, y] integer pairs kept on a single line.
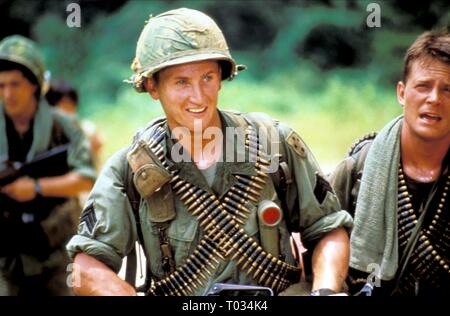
[[177, 37], [23, 51]]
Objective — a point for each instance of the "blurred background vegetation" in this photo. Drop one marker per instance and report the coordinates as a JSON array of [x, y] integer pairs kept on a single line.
[[313, 64]]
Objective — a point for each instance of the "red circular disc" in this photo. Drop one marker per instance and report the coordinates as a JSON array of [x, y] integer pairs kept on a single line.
[[271, 216]]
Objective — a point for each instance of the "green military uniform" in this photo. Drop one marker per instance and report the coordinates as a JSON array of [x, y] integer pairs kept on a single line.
[[346, 178], [33, 260], [387, 208], [108, 228], [53, 129], [201, 227]]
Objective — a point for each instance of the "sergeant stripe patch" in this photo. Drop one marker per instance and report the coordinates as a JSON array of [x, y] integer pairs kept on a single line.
[[88, 217]]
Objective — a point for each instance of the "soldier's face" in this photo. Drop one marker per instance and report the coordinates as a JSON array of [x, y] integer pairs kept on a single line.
[[188, 93], [16, 92], [426, 100]]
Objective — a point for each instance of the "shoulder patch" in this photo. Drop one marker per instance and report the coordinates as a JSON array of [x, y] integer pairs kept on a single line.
[[297, 144], [355, 147], [321, 188]]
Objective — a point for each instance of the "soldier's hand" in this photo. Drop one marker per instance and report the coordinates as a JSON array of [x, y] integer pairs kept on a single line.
[[21, 190]]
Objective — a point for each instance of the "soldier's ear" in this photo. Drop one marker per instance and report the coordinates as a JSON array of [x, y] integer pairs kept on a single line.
[[150, 86], [401, 93]]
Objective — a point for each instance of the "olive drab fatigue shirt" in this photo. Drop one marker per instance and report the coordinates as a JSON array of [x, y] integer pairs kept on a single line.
[[50, 129], [346, 178], [109, 231]]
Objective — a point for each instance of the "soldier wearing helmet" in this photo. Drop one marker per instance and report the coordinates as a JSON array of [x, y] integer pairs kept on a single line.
[[208, 193], [37, 196]]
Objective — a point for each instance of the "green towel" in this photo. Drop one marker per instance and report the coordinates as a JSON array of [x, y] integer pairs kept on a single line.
[[374, 236]]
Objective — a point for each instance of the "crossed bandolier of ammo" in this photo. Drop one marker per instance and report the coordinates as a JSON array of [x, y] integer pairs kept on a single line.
[[222, 222]]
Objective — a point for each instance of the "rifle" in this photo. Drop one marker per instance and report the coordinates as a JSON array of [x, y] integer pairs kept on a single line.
[[20, 221], [45, 164]]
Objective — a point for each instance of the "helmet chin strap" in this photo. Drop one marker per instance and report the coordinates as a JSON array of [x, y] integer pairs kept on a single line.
[[46, 82]]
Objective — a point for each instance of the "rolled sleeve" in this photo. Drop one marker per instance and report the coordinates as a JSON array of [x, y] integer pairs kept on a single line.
[[97, 249], [326, 224], [107, 228]]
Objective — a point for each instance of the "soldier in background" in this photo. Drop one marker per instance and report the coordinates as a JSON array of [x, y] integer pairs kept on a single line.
[[37, 208], [397, 184], [205, 218], [64, 97]]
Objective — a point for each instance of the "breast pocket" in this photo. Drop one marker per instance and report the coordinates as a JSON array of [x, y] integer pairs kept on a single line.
[[183, 235], [182, 240]]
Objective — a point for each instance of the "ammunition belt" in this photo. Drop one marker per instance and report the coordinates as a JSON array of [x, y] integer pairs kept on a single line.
[[221, 221], [429, 260], [407, 217]]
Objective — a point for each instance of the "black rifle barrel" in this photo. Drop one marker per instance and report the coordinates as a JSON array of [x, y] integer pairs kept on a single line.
[[16, 170]]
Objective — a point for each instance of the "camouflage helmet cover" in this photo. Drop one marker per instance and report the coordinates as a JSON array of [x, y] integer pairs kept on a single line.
[[23, 51], [177, 37]]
